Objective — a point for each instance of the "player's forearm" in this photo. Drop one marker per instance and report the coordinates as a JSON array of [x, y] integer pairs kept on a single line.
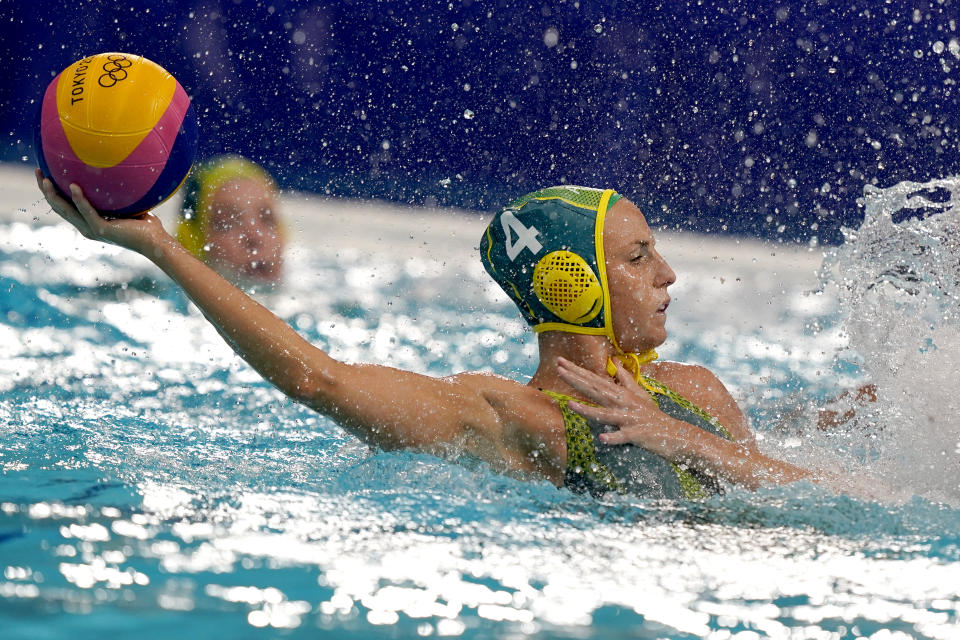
[[736, 462], [265, 341]]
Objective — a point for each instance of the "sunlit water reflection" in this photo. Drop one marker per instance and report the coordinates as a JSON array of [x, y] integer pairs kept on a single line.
[[152, 483]]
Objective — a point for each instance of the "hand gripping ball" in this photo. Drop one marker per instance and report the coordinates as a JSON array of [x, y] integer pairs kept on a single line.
[[121, 127]]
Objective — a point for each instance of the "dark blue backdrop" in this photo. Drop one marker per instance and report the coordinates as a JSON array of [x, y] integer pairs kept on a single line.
[[745, 117]]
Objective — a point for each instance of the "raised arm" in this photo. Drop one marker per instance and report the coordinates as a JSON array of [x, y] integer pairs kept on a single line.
[[383, 406], [624, 404]]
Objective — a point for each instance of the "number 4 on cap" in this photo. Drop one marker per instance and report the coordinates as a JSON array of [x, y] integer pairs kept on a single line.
[[526, 236]]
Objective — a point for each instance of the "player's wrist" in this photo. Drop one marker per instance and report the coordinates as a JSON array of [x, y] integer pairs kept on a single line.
[[157, 245]]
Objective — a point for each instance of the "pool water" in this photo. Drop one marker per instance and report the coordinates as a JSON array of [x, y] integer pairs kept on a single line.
[[152, 485]]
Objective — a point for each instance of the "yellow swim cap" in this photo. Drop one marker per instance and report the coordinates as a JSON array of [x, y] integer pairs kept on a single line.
[[201, 185]]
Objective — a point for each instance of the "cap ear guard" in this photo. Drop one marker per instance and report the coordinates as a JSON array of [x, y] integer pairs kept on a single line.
[[566, 285], [542, 249]]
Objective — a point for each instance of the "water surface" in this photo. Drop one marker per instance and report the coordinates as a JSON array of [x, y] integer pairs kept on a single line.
[[153, 485]]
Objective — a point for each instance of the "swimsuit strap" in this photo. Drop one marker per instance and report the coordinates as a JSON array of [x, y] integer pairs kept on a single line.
[[581, 451], [656, 387], [633, 361]]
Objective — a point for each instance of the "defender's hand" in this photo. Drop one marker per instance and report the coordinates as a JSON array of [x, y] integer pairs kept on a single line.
[[622, 402], [138, 233], [626, 405]]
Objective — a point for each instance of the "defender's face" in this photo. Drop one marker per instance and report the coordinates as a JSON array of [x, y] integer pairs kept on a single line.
[[243, 232], [637, 277]]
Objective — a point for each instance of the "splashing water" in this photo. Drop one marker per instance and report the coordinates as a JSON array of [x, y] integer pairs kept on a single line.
[[153, 482], [897, 279]]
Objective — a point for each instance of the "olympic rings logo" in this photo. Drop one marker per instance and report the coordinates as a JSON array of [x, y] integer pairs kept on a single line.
[[115, 70]]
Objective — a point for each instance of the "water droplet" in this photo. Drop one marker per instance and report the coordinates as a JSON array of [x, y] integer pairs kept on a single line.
[[550, 37]]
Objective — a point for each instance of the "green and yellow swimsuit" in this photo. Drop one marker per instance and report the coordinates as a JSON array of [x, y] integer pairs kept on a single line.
[[596, 467]]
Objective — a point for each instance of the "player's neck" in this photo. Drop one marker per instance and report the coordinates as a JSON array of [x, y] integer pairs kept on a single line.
[[589, 352]]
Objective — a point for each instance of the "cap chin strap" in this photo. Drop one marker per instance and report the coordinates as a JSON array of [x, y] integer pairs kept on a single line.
[[632, 363]]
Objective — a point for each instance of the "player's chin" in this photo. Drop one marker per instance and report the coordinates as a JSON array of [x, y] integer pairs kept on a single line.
[[651, 339], [658, 332], [662, 337], [265, 271]]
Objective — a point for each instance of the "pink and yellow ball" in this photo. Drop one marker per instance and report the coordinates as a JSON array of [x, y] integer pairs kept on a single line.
[[121, 127]]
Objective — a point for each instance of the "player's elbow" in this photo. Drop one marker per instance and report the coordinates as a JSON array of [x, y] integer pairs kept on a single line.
[[314, 388]]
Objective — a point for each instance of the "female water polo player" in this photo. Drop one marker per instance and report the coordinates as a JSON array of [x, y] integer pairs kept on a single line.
[[229, 220], [582, 266]]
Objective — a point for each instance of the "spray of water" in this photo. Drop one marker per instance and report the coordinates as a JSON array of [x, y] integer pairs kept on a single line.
[[897, 279]]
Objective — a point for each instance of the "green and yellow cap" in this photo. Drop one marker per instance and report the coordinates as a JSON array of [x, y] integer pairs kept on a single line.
[[199, 188], [545, 250]]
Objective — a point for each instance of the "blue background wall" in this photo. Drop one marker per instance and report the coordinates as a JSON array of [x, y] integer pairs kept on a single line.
[[743, 117]]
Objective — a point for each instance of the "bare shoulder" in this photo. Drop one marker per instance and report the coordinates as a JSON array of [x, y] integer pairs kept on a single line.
[[495, 389], [688, 376], [529, 425], [511, 400], [702, 387]]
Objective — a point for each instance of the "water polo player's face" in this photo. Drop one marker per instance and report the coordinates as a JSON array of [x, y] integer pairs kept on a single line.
[[243, 232], [638, 278]]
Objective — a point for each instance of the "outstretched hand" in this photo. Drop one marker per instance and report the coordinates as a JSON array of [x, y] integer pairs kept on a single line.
[[132, 233], [624, 404]]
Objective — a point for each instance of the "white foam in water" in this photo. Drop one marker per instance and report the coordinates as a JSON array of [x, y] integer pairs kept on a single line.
[[897, 279], [152, 481]]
